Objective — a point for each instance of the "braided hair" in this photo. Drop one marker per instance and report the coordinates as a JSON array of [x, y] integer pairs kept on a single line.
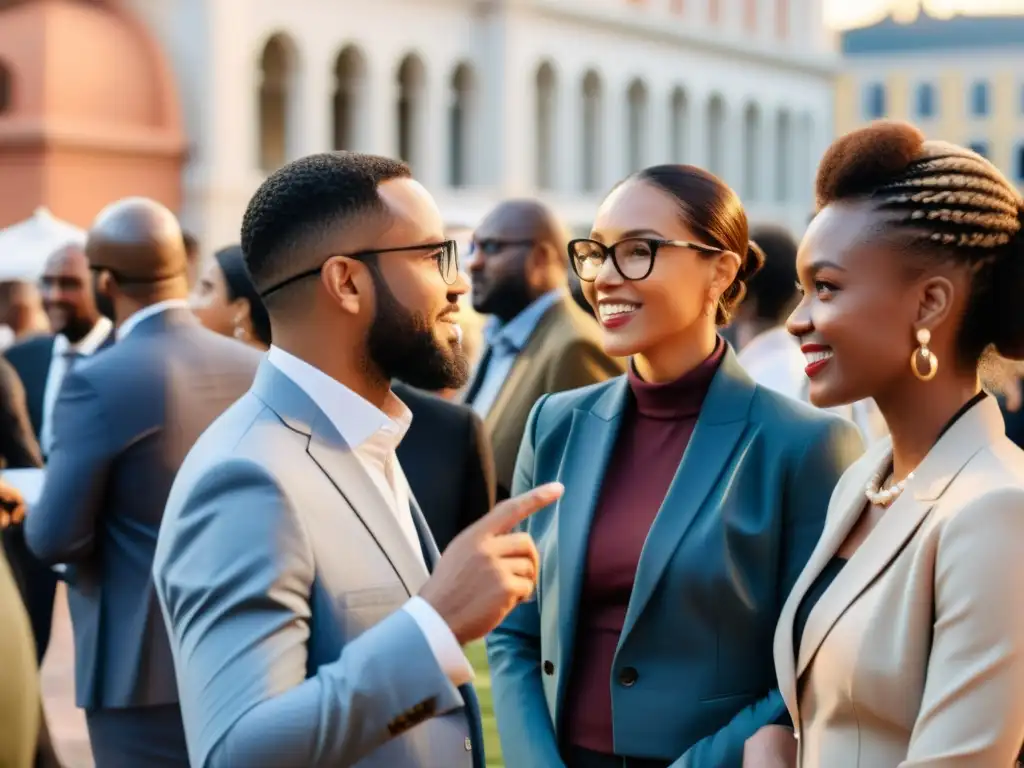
[[945, 202]]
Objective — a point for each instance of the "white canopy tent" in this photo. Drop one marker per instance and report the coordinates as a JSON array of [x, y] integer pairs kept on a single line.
[[25, 246]]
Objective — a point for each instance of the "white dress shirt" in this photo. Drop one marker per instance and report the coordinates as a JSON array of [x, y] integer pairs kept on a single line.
[[147, 312], [374, 434], [504, 344], [774, 360], [86, 346]]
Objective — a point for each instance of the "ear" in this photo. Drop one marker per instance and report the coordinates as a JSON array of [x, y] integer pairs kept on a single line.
[[241, 310], [106, 284], [340, 277], [725, 268], [935, 302]]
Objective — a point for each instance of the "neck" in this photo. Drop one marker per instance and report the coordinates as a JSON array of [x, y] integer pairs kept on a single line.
[[339, 361], [917, 415], [677, 356], [126, 305]]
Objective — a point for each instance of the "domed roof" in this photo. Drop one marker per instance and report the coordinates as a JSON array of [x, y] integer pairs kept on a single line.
[[84, 66]]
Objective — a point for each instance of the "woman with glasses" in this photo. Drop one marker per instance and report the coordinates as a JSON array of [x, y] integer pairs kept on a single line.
[[693, 499]]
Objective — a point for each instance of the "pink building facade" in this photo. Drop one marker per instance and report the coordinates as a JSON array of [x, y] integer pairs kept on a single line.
[[89, 111]]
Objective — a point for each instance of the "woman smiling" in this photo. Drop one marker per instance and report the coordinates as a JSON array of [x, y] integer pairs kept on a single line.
[[693, 499], [902, 642]]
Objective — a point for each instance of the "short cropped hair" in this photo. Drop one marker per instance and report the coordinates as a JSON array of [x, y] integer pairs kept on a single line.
[[298, 205], [773, 288]]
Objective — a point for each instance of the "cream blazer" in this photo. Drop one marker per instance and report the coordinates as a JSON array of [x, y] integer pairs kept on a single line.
[[914, 656]]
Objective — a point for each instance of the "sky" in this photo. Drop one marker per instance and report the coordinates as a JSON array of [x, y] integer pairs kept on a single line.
[[856, 13]]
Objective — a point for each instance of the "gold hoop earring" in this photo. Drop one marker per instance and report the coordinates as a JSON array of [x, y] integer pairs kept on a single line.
[[923, 337]]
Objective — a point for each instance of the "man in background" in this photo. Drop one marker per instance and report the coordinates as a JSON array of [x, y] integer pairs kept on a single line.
[[538, 340], [448, 462], [123, 422], [193, 258], [41, 362], [21, 311]]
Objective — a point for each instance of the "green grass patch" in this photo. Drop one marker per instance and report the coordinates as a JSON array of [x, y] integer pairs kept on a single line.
[[477, 656]]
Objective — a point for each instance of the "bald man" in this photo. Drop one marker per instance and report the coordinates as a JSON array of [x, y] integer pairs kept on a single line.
[[538, 339], [123, 422]]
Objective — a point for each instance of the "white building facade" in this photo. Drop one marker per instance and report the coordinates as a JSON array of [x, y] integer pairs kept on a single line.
[[491, 99]]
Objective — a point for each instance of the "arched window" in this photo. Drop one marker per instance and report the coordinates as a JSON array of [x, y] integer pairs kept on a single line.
[[783, 157], [460, 125], [349, 99], [546, 90], [276, 94], [412, 81], [716, 135], [1020, 163], [925, 101], [874, 101], [591, 114], [679, 128], [636, 137], [752, 151], [980, 99]]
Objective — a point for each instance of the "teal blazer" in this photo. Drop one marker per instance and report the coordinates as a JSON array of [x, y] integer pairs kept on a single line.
[[738, 523]]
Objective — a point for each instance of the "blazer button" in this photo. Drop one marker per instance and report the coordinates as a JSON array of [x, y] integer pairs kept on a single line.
[[549, 668], [628, 676]]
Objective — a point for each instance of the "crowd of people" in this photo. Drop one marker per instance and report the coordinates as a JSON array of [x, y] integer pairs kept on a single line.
[[714, 498]]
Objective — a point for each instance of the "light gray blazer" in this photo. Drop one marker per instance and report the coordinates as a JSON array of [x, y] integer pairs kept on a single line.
[[281, 574]]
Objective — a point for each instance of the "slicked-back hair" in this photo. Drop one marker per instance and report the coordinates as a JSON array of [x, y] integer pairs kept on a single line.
[[947, 202], [300, 204]]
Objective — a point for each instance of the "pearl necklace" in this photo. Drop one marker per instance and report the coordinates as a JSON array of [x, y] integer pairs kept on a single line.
[[883, 497]]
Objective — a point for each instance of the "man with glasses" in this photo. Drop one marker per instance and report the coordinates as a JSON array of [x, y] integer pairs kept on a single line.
[[538, 339], [312, 619]]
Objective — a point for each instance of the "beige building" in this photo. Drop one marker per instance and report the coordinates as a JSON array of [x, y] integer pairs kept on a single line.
[[960, 79]]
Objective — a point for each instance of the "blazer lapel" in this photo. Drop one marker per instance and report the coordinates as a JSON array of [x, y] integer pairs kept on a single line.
[[587, 451], [848, 506], [980, 426], [522, 365], [722, 421], [336, 459]]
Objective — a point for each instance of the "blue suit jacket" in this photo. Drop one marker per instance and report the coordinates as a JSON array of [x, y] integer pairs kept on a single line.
[[740, 520]]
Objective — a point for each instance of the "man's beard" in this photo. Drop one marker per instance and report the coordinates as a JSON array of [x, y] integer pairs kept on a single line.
[[75, 328], [508, 297], [402, 345]]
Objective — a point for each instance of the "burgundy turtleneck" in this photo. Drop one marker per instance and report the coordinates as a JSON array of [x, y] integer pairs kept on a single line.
[[656, 428]]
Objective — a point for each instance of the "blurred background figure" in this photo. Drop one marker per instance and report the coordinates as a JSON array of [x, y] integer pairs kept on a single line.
[[538, 339], [21, 311], [41, 361], [768, 352], [19, 681], [193, 257], [123, 423], [225, 300]]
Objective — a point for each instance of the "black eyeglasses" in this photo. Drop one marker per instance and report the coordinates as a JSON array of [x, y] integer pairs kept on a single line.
[[633, 258], [492, 246], [446, 254]]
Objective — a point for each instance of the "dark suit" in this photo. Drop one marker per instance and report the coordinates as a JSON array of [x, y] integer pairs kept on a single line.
[[693, 675], [124, 421], [31, 359], [448, 462]]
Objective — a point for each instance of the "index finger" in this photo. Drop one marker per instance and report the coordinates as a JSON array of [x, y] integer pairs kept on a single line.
[[509, 513]]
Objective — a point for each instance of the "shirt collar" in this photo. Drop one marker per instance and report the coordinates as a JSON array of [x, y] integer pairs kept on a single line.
[[356, 419], [88, 344], [517, 331], [133, 320]]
